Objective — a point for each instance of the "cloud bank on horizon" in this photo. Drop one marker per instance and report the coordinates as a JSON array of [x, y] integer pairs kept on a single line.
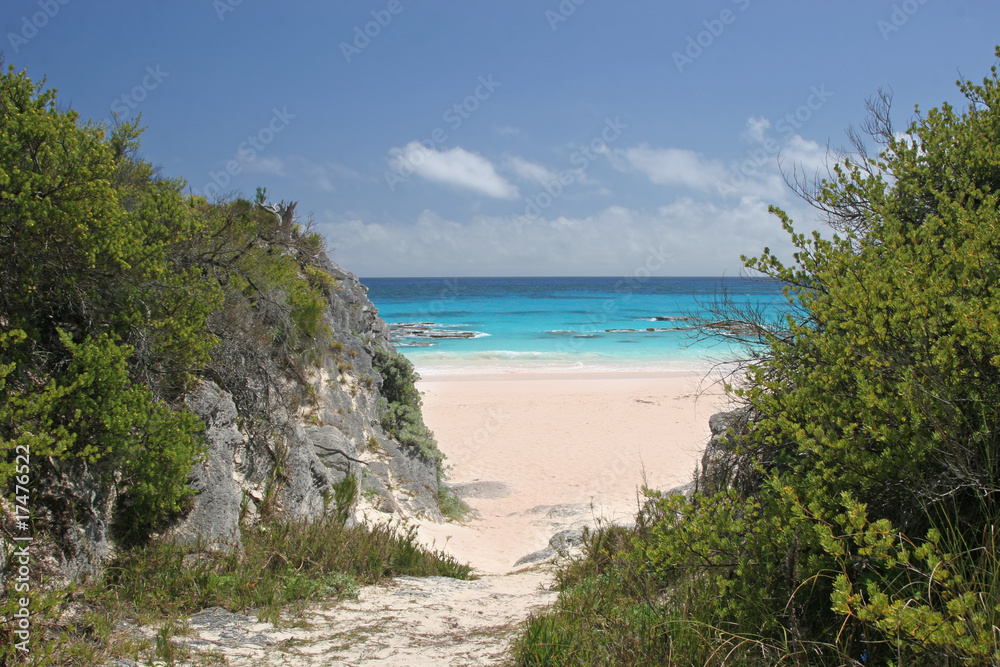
[[562, 137]]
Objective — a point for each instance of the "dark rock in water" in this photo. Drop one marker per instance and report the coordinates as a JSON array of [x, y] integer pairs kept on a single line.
[[732, 328], [673, 318], [401, 331], [646, 330]]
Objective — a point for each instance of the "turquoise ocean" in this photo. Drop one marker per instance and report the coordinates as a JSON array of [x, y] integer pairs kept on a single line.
[[496, 325]]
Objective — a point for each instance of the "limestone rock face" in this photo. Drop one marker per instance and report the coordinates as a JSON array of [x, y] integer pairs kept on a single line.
[[283, 427], [88, 537], [720, 465], [334, 433], [217, 506]]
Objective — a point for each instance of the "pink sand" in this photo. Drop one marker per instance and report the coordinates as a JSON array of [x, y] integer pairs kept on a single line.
[[560, 439]]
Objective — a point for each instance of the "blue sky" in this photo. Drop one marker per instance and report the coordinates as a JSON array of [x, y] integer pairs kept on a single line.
[[506, 137]]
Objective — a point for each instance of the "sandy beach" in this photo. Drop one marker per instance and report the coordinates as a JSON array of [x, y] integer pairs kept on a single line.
[[533, 453]]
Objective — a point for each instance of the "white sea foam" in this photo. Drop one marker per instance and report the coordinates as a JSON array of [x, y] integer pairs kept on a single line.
[[507, 362]]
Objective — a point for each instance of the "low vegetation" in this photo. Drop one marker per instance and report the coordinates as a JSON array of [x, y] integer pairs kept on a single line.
[[861, 526], [401, 415], [118, 294], [285, 563]]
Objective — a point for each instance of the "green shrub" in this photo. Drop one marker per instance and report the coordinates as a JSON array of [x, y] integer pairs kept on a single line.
[[345, 493], [869, 534], [401, 416], [452, 507]]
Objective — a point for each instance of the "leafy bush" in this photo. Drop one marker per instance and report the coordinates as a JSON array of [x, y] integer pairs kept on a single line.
[[868, 536], [401, 416], [99, 332]]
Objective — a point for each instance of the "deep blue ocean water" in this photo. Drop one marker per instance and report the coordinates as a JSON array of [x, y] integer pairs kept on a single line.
[[560, 324]]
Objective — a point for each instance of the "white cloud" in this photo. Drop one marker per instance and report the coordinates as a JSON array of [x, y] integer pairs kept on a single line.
[[760, 170], [267, 164], [455, 167], [531, 171], [756, 128], [687, 237], [805, 155], [676, 166]]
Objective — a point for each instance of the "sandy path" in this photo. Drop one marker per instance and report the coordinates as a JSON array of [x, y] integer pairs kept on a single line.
[[533, 456], [413, 621]]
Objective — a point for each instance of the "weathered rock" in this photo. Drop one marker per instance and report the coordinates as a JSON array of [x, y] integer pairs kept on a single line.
[[416, 482], [560, 511], [333, 449], [307, 479], [719, 463], [88, 537], [279, 435], [559, 544], [687, 490], [565, 540], [334, 434], [216, 513], [481, 489]]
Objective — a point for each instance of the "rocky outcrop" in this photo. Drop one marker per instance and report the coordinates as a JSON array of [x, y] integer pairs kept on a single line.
[[334, 432], [721, 465], [560, 543], [280, 444], [216, 513]]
